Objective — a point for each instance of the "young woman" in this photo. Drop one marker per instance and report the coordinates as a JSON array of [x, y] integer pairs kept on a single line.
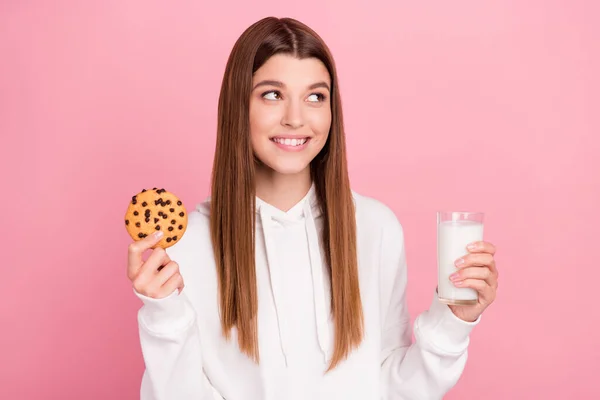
[[295, 286]]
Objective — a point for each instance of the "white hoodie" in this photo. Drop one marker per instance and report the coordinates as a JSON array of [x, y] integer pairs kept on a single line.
[[187, 357]]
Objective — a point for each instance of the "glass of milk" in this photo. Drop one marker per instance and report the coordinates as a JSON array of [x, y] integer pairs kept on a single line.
[[455, 230]]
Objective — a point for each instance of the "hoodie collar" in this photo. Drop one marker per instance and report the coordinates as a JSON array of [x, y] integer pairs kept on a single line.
[[297, 212]]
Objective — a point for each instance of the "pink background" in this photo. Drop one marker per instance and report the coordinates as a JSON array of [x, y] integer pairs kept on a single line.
[[470, 105]]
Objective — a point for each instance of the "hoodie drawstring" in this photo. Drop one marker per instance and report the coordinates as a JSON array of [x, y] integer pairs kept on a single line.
[[316, 269], [273, 274]]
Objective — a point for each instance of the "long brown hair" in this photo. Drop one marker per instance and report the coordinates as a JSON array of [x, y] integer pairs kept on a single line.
[[232, 217]]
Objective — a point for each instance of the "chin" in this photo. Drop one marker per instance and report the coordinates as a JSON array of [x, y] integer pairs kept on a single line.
[[287, 168], [291, 171]]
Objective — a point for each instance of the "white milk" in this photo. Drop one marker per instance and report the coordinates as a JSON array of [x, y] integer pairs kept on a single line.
[[453, 238]]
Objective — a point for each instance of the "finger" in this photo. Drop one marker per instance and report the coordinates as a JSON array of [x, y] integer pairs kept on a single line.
[[173, 283], [485, 291], [168, 275], [475, 260], [149, 269], [484, 274], [488, 295], [136, 249], [160, 291], [471, 273], [482, 247], [170, 269], [155, 287]]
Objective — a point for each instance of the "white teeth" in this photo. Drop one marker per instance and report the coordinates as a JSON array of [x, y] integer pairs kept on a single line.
[[290, 142]]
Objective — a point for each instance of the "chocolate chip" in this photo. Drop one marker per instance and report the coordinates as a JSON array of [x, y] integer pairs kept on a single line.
[[126, 222], [179, 203], [160, 213], [137, 224], [143, 190], [153, 188], [147, 219], [180, 227], [157, 227], [156, 220], [173, 221], [134, 201], [144, 204], [145, 235], [140, 235], [181, 214], [136, 213], [164, 216], [170, 229], [168, 202], [174, 237], [168, 240], [147, 213], [172, 209], [134, 197]]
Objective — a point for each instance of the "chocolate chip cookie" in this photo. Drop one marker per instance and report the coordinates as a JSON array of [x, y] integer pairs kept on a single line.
[[153, 210]]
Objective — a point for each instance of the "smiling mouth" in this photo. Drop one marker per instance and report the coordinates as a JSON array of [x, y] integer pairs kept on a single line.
[[290, 142]]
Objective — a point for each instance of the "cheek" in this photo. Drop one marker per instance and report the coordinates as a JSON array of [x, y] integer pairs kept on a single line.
[[263, 119], [254, 121], [321, 123]]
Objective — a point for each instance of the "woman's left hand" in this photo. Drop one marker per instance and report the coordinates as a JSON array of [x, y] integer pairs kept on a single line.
[[476, 270]]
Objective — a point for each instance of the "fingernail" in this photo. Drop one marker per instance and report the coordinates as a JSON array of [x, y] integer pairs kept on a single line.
[[458, 283], [459, 262], [454, 277], [472, 246], [159, 234]]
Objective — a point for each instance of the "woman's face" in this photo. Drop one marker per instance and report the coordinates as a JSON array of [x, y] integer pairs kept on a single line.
[[290, 112]]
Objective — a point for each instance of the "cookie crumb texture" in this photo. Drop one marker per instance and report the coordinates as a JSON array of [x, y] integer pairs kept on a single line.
[[153, 210]]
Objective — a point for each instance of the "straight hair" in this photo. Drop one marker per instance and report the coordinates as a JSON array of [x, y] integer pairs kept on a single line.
[[233, 207]]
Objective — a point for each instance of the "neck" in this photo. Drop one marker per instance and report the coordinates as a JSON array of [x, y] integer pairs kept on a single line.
[[282, 191]]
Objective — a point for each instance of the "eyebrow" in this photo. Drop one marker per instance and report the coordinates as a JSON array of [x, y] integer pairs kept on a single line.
[[280, 85]]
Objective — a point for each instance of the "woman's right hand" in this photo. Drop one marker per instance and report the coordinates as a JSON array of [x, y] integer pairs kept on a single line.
[[158, 276]]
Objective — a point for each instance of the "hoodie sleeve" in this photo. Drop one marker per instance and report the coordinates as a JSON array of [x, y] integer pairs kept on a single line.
[[431, 366], [170, 344]]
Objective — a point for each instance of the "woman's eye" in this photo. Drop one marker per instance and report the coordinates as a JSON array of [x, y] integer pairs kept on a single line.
[[274, 95], [316, 97]]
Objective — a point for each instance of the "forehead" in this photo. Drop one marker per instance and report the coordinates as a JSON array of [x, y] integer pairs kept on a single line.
[[292, 71]]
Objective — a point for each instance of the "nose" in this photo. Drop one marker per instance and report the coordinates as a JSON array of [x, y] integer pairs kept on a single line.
[[292, 116]]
